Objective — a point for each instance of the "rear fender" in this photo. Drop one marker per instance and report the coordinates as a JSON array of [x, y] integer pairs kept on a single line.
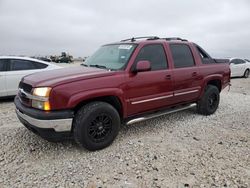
[[207, 80]]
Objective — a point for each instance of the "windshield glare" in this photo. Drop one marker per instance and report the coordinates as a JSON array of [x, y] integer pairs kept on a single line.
[[113, 57]]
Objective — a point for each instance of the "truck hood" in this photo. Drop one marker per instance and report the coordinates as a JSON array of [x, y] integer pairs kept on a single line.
[[56, 77]]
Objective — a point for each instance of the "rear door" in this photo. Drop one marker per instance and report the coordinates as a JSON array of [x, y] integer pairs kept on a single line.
[[187, 81], [3, 65], [18, 68], [152, 89]]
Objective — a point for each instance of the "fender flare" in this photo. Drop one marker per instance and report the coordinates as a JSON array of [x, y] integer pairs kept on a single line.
[[80, 97], [208, 79]]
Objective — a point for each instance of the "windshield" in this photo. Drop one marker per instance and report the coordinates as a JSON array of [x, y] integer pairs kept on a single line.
[[112, 57]]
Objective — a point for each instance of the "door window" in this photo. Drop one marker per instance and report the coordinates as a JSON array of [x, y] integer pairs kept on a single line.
[[155, 54], [234, 61], [18, 64], [3, 64], [238, 61], [182, 55]]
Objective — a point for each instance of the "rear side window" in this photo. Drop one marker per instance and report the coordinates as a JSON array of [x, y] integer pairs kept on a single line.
[[18, 64], [40, 65], [205, 58], [241, 61], [3, 64], [155, 54], [182, 55]]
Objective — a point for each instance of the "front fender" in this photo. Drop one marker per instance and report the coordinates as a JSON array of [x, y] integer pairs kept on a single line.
[[91, 94]]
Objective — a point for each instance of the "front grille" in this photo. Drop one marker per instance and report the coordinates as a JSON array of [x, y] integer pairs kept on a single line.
[[23, 98], [26, 87]]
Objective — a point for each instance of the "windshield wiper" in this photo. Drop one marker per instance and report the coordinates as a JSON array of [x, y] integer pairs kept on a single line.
[[99, 66]]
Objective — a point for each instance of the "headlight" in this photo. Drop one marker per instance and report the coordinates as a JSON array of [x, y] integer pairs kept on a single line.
[[42, 91], [40, 98]]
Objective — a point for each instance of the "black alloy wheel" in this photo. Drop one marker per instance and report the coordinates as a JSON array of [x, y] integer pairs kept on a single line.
[[212, 101], [96, 125], [100, 127]]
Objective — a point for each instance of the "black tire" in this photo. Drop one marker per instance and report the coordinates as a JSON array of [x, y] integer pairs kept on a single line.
[[209, 102], [96, 125], [246, 73]]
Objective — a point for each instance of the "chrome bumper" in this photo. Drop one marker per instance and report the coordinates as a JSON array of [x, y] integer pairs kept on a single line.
[[59, 125]]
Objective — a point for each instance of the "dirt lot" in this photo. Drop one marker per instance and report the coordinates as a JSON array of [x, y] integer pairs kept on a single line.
[[178, 150]]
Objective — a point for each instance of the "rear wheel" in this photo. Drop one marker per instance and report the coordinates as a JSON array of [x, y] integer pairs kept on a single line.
[[209, 103], [246, 74], [96, 125]]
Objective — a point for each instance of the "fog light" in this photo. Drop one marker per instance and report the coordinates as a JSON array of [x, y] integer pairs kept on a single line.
[[41, 105]]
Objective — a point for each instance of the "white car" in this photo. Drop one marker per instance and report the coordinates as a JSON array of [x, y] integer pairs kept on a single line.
[[239, 68], [13, 68]]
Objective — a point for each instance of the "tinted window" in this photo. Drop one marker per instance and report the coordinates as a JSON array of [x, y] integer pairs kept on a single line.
[[237, 61], [3, 64], [203, 54], [182, 55], [234, 61], [241, 61], [17, 64], [155, 54], [40, 65]]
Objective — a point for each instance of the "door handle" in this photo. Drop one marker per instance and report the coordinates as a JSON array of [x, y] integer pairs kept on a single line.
[[194, 74], [168, 77]]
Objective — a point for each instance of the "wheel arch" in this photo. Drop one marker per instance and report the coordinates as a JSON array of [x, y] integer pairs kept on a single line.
[[215, 81], [247, 69], [110, 99]]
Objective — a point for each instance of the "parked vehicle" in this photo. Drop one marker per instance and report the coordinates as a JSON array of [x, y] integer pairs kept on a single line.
[[44, 59], [125, 82], [64, 58], [12, 69], [239, 68]]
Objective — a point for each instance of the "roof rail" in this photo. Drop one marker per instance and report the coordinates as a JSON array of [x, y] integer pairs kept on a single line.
[[147, 37], [175, 38], [133, 39]]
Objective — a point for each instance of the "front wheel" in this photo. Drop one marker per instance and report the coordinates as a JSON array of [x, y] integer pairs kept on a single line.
[[209, 102], [96, 125], [246, 74]]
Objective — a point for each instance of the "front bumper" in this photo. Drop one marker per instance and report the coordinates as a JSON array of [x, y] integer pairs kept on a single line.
[[46, 124], [59, 125]]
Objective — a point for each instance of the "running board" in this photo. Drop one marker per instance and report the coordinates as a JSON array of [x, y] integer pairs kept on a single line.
[[160, 113]]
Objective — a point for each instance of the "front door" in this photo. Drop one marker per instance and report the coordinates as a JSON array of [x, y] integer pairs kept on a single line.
[[152, 89]]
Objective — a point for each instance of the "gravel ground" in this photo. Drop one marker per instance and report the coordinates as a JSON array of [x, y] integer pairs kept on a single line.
[[178, 150]]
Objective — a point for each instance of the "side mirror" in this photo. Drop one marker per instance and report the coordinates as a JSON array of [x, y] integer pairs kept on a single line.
[[142, 66]]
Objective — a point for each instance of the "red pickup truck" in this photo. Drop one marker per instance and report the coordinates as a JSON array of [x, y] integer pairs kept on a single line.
[[122, 83]]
